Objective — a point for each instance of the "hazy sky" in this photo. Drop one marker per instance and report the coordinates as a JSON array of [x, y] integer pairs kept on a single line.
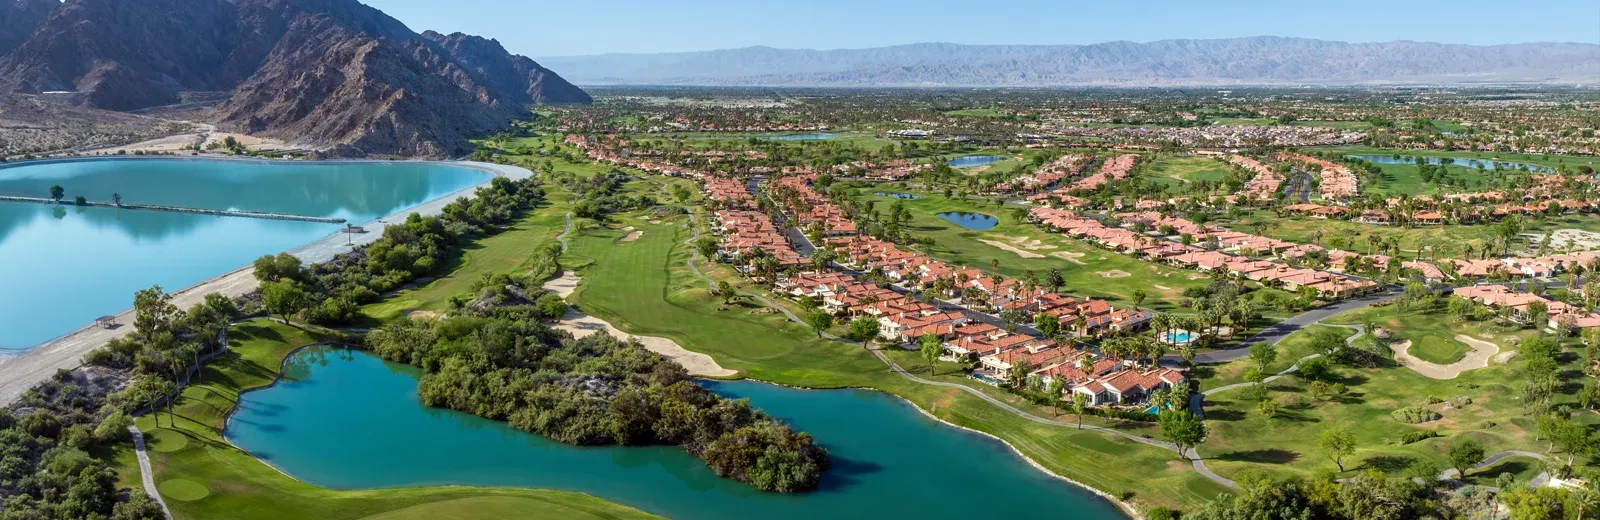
[[553, 28]]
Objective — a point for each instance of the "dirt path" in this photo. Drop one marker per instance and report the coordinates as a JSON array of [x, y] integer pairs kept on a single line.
[[1482, 351], [581, 325]]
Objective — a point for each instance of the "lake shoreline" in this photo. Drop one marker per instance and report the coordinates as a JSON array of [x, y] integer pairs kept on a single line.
[[65, 352]]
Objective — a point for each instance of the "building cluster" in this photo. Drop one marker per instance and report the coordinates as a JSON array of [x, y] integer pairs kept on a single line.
[[1523, 306], [1265, 183], [1218, 136], [1044, 177], [1115, 168], [963, 311], [1337, 181], [1155, 244]]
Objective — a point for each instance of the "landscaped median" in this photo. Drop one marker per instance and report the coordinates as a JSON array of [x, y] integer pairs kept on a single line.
[[202, 476]]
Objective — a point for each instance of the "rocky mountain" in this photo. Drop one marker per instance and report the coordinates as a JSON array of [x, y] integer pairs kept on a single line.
[[324, 73], [18, 19], [1261, 60]]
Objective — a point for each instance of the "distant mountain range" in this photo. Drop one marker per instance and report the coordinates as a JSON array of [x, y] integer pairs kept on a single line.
[[329, 73], [1263, 60]]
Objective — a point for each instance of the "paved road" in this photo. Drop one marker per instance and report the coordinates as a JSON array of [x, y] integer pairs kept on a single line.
[[1278, 331], [20, 373], [1195, 400]]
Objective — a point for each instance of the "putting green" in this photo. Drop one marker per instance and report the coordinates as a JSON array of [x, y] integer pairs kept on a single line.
[[165, 441], [183, 490]]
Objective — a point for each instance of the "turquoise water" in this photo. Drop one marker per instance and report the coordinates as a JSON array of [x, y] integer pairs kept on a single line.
[[347, 420], [1180, 337], [1475, 164], [897, 195], [65, 266], [968, 161], [803, 137], [973, 221]]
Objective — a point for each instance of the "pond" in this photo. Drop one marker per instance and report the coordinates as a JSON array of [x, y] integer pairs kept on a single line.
[[973, 221], [348, 420], [897, 195], [803, 137], [968, 161], [1475, 164], [66, 266]]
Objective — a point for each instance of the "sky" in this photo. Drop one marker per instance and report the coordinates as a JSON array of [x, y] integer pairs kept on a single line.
[[545, 28]]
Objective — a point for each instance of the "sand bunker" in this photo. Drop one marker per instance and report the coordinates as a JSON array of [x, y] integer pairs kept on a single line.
[[1029, 244], [581, 325], [1114, 273], [422, 315], [1008, 247], [1581, 240], [1069, 256], [1481, 353], [632, 236], [1162, 287]]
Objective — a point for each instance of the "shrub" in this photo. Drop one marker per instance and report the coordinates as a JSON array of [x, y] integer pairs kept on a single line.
[[1415, 415], [1418, 436]]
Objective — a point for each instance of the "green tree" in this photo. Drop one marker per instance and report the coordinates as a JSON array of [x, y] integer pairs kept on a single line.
[[819, 321], [1464, 454], [1183, 429], [931, 348], [1337, 443], [1048, 325], [863, 329], [1263, 354], [1080, 405], [282, 266], [726, 291], [1138, 298], [56, 192], [153, 312], [283, 298]]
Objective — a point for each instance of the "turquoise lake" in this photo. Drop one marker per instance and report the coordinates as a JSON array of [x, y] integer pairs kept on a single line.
[[1477, 164], [65, 265], [968, 161], [347, 420]]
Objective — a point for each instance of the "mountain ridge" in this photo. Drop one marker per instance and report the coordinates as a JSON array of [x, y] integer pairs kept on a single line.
[[1250, 60], [322, 73]]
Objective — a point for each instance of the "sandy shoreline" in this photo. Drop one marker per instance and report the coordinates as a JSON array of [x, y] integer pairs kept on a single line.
[[21, 372]]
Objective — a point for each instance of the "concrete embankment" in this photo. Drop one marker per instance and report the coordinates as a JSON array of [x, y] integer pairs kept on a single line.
[[39, 363], [176, 209]]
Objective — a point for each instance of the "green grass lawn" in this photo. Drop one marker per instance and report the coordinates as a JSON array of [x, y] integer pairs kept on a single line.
[[1290, 351], [644, 287], [1081, 265], [1177, 172], [1243, 439], [975, 112], [505, 252], [202, 476]]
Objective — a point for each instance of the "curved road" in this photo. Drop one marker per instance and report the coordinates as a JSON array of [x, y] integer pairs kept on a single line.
[[1278, 331]]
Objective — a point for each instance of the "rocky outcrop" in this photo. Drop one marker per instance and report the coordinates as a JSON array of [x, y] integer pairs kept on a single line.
[[325, 73], [18, 19], [511, 75], [325, 84]]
